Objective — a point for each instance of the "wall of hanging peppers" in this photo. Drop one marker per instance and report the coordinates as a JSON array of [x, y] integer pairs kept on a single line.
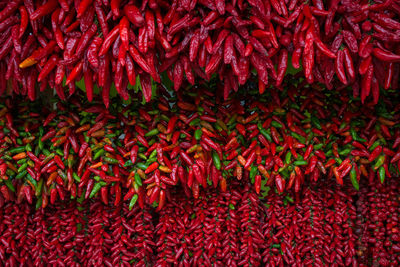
[[199, 133]]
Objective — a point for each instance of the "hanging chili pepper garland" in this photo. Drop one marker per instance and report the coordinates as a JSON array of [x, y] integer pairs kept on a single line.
[[219, 228], [43, 43], [85, 150]]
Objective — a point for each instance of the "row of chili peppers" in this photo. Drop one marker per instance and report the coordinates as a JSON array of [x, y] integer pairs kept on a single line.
[[124, 42], [317, 227], [73, 234], [194, 139], [378, 225], [217, 229]]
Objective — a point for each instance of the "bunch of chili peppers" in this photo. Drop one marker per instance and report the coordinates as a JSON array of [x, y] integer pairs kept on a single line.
[[233, 228], [218, 229], [56, 43], [378, 225], [313, 228], [84, 150], [73, 234]]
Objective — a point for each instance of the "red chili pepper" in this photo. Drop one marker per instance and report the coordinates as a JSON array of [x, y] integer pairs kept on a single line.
[[283, 60], [24, 20], [139, 59], [339, 67], [74, 73], [280, 183], [123, 32], [366, 83], [385, 55], [109, 40], [308, 54], [43, 10], [348, 62], [350, 40], [115, 7], [134, 16]]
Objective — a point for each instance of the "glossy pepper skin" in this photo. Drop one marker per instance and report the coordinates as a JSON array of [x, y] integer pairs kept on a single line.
[[217, 42]]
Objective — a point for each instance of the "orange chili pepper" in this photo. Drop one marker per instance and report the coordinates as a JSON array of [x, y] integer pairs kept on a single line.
[[19, 156]]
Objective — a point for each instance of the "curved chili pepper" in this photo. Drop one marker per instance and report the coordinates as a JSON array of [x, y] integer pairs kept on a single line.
[[109, 40], [43, 10], [385, 55], [339, 67]]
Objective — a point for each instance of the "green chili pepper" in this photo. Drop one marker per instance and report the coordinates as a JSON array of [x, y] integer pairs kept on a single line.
[[111, 160], [76, 177], [60, 152], [374, 145], [353, 178], [22, 167], [318, 146], [379, 162], [195, 122], [338, 160], [95, 189], [142, 156], [197, 134], [21, 174], [253, 173], [153, 154], [345, 152], [300, 138], [82, 196], [382, 174], [138, 180], [151, 160], [153, 112], [9, 185], [164, 117], [16, 150], [276, 124], [288, 198], [300, 162], [31, 163], [31, 180], [38, 191], [288, 157], [264, 132], [133, 201], [152, 132], [28, 147], [315, 121], [141, 165], [128, 163], [216, 160], [21, 161], [38, 203], [98, 154]]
